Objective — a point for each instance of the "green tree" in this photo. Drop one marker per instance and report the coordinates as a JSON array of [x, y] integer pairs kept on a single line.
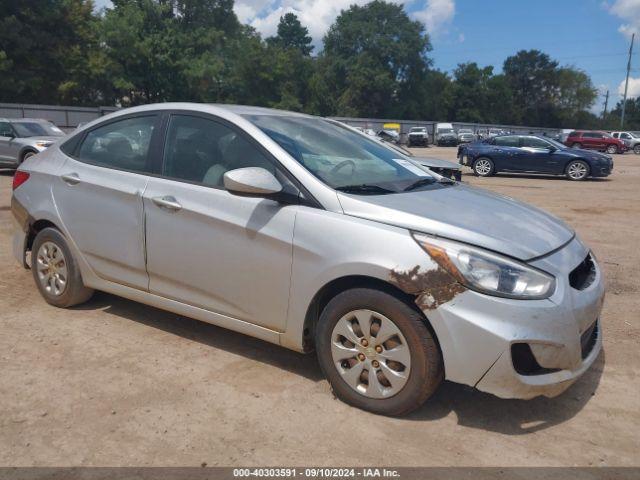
[[45, 46], [373, 62], [544, 93], [291, 34]]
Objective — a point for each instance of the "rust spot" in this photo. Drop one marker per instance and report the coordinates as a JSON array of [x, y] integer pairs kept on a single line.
[[432, 288]]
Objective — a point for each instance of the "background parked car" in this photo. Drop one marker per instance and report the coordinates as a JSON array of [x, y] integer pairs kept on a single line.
[[595, 140], [418, 136], [465, 135], [534, 154], [446, 135], [389, 136], [631, 140], [441, 167], [24, 137]]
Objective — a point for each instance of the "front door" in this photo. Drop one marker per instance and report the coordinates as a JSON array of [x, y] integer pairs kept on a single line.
[[206, 247], [99, 197], [537, 156]]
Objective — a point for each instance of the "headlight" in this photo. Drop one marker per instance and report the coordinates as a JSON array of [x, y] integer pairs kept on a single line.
[[487, 272], [43, 144]]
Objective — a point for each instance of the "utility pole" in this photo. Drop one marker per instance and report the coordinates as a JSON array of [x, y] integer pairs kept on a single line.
[[606, 104], [626, 83]]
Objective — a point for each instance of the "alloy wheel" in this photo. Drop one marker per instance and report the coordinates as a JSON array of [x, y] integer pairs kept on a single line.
[[577, 171], [483, 167], [52, 269], [612, 149], [370, 354]]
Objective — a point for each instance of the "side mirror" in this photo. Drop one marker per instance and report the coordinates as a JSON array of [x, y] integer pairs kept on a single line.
[[251, 182]]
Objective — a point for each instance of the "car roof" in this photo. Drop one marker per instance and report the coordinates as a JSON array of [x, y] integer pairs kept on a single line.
[[251, 110]]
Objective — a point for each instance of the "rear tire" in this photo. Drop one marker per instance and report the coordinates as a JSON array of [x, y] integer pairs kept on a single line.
[[392, 366], [577, 170], [483, 167], [55, 271]]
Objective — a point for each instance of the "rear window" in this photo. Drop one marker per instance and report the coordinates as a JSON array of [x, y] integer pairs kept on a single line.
[[122, 144]]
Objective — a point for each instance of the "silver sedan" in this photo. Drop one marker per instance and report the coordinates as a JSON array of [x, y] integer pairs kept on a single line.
[[303, 232]]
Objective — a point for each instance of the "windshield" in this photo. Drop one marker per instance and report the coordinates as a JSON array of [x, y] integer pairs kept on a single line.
[[340, 157], [464, 130], [418, 129], [555, 143], [446, 130], [37, 129]]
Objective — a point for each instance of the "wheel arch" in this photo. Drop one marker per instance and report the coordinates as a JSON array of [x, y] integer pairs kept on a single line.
[[36, 227], [26, 149], [332, 288]]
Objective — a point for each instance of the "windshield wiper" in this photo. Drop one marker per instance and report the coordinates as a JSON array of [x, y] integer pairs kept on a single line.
[[364, 188], [420, 183]]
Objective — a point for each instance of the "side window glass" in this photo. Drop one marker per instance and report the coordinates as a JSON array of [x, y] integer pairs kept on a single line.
[[202, 150], [5, 129], [510, 141], [534, 142], [123, 144]]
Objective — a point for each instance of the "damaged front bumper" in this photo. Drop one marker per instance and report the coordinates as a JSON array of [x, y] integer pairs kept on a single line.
[[525, 348]]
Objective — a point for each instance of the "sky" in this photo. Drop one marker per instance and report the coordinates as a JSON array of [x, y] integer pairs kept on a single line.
[[592, 35]]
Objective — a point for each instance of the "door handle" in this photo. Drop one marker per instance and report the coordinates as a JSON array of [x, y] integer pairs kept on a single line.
[[70, 178], [167, 202]]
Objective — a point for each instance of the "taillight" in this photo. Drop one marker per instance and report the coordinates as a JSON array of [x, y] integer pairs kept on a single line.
[[19, 178]]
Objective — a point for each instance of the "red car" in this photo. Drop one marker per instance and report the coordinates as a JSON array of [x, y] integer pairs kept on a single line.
[[594, 140]]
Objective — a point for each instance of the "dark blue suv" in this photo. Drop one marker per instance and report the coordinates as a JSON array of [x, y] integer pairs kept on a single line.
[[532, 154]]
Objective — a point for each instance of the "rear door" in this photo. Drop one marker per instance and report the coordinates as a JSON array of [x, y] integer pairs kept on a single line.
[[505, 152], [207, 248], [99, 196], [593, 140]]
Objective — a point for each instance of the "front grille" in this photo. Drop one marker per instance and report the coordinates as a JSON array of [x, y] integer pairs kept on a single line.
[[588, 339], [584, 274]]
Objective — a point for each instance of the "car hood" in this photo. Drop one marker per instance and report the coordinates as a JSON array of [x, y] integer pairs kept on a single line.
[[588, 154], [41, 138], [435, 162], [467, 214]]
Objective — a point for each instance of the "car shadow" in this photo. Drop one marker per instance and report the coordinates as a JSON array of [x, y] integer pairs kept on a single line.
[[473, 408], [476, 409], [207, 334], [541, 176]]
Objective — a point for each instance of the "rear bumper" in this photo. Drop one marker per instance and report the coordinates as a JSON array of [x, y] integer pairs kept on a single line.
[[21, 229]]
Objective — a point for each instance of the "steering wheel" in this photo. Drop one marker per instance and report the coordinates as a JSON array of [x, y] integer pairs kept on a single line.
[[343, 164]]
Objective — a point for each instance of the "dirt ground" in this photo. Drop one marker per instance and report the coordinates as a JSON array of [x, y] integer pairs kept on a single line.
[[115, 383]]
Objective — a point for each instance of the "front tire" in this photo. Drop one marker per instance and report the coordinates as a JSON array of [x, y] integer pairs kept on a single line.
[[636, 149], [483, 167], [577, 170], [55, 271], [611, 149], [377, 353], [576, 145]]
